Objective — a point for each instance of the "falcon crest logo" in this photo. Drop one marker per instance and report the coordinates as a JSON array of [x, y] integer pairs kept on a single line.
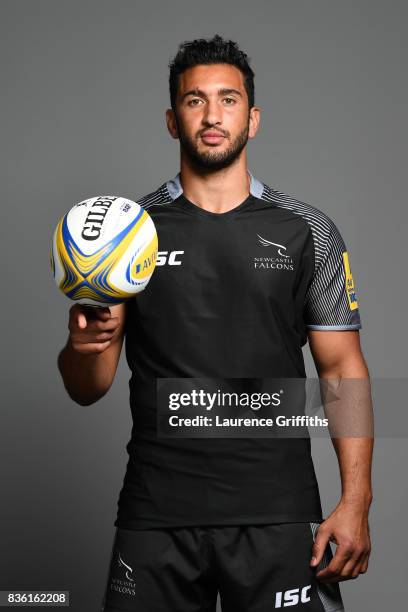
[[128, 569], [277, 258], [267, 243]]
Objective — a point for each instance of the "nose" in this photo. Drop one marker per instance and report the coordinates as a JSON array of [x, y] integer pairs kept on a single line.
[[213, 113]]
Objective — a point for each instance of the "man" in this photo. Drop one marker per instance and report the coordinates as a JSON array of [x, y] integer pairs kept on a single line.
[[247, 275]]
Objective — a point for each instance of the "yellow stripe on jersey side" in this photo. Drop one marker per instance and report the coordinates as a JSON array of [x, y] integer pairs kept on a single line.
[[350, 290]]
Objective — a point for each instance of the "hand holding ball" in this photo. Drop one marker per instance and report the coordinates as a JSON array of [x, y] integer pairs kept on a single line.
[[104, 251]]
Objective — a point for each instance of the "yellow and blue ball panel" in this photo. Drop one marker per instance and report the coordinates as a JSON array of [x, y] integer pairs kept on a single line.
[[89, 276]]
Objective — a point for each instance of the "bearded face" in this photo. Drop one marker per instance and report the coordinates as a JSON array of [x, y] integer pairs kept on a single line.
[[212, 119]]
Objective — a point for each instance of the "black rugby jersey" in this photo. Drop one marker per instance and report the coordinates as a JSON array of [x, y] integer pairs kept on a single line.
[[232, 296]]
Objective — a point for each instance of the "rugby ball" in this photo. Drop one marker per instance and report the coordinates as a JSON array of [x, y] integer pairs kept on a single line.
[[104, 251]]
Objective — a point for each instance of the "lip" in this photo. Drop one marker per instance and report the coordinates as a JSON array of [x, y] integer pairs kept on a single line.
[[212, 137]]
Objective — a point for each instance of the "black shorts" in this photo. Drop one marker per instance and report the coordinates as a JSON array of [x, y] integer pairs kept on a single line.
[[255, 568]]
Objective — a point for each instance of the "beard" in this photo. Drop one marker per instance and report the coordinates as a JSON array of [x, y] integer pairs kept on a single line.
[[211, 160]]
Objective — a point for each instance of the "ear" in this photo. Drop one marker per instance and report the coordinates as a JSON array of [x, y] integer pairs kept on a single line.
[[254, 120], [171, 123]]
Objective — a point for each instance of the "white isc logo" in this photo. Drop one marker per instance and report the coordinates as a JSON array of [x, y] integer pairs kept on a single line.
[[283, 599], [172, 258]]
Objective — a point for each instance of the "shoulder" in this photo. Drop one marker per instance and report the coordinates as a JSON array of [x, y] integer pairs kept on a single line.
[[159, 197], [323, 229], [315, 217]]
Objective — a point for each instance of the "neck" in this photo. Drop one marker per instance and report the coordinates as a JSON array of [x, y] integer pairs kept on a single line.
[[218, 191]]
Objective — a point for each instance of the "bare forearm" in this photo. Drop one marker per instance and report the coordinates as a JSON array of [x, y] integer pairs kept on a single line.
[[84, 376], [352, 440], [355, 459]]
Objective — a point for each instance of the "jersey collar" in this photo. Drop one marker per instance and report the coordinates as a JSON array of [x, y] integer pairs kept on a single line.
[[175, 189]]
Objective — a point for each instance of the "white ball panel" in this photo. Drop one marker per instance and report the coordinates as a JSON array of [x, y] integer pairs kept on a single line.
[[99, 222]]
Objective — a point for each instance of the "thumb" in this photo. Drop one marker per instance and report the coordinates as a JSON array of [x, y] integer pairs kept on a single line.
[[81, 320], [319, 546]]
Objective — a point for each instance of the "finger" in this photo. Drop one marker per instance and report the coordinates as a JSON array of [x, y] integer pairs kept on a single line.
[[333, 570], [356, 571], [361, 555], [98, 325], [81, 320], [77, 317], [319, 546], [351, 569], [91, 348], [96, 312], [364, 565], [336, 579], [91, 338]]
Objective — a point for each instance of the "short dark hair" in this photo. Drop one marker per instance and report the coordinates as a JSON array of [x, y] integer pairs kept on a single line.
[[214, 50]]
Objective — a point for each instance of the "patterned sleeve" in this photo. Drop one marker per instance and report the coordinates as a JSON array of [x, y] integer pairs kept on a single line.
[[331, 302]]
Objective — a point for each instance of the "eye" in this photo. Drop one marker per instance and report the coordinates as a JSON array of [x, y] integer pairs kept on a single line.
[[231, 101], [194, 102]]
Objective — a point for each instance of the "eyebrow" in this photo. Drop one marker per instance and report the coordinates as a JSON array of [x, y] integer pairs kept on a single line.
[[221, 92]]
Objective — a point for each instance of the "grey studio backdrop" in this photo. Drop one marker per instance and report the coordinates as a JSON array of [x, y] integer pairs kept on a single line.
[[84, 91]]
